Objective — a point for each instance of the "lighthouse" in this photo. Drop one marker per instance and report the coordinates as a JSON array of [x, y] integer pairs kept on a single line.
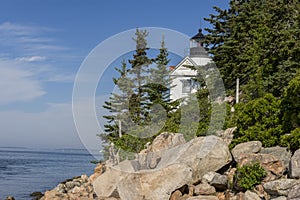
[[182, 75]]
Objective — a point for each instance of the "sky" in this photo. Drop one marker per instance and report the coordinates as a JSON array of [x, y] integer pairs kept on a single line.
[[44, 43]]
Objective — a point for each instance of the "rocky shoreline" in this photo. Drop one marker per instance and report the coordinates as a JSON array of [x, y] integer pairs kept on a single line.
[[78, 188], [201, 169]]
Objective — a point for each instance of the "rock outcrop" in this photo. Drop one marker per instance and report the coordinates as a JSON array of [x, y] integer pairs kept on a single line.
[[246, 148], [202, 169], [150, 157], [295, 165], [157, 184], [279, 152], [280, 187], [182, 164], [294, 193], [76, 188]]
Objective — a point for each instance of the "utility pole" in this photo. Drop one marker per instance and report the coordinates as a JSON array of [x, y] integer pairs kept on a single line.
[[237, 89]]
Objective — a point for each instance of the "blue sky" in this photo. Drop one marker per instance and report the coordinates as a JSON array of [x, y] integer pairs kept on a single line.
[[42, 45]]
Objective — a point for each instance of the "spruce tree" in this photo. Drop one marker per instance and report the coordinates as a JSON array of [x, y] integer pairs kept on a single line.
[[128, 107], [117, 105], [159, 85], [257, 42], [139, 74]]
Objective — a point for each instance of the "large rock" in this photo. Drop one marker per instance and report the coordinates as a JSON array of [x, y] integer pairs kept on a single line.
[[251, 196], [203, 197], [220, 182], [280, 198], [176, 195], [295, 165], [166, 141], [259, 190], [99, 169], [279, 152], [280, 187], [181, 165], [246, 148], [294, 193], [128, 166], [106, 184], [204, 189], [154, 184], [208, 177], [203, 154], [150, 157], [227, 135]]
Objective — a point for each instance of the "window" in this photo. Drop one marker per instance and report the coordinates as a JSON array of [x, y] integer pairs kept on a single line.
[[186, 86]]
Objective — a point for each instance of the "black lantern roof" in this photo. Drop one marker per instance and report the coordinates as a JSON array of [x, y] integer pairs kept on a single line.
[[198, 36]]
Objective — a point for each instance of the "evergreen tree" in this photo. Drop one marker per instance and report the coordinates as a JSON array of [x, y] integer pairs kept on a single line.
[[160, 82], [119, 122], [290, 106], [118, 106], [258, 120], [128, 107], [139, 74], [256, 41]]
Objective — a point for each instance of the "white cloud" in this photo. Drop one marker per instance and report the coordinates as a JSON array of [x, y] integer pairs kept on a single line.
[[29, 40], [32, 58], [61, 78], [18, 29], [17, 83], [29, 59]]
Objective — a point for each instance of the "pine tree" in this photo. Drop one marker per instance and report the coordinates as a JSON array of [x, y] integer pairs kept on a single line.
[[139, 74], [256, 41], [128, 107], [119, 122], [118, 104], [160, 82]]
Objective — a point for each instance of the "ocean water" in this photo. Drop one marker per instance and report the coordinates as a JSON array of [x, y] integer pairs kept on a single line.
[[24, 170]]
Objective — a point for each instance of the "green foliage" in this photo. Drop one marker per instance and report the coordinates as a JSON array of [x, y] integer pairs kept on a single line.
[[268, 118], [248, 176], [290, 106], [117, 103], [173, 122], [138, 75], [130, 143], [131, 110], [258, 120], [258, 42], [160, 82], [292, 140]]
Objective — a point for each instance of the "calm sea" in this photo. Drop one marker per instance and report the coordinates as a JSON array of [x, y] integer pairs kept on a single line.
[[23, 171]]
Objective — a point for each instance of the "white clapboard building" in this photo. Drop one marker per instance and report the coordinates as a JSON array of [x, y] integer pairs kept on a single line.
[[181, 75]]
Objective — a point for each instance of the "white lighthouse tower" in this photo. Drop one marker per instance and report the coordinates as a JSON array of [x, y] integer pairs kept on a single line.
[[182, 75]]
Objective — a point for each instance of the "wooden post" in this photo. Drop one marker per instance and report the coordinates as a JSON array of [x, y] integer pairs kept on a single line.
[[237, 89], [120, 128], [120, 135]]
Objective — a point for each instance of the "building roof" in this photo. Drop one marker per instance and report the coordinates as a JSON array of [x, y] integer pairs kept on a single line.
[[185, 59], [199, 35]]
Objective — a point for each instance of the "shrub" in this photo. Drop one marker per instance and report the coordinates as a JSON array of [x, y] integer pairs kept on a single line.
[[292, 141], [290, 105], [258, 120], [248, 176]]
